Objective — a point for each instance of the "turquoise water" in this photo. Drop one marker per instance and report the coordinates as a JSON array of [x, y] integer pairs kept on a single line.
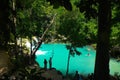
[[83, 63]]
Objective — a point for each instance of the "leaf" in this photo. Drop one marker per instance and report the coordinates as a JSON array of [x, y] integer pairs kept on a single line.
[[77, 52], [68, 46]]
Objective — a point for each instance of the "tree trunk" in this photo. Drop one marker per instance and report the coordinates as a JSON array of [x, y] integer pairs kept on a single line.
[[31, 45], [68, 64], [102, 55], [14, 24], [4, 23], [21, 45]]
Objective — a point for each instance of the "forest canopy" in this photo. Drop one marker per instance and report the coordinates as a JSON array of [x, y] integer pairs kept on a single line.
[[32, 16]]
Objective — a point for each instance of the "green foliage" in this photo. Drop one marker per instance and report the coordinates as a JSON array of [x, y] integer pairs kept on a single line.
[[26, 4], [88, 7], [115, 35], [77, 29], [32, 20], [72, 50], [34, 15]]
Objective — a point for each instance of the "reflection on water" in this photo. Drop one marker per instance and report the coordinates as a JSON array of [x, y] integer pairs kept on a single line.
[[83, 63]]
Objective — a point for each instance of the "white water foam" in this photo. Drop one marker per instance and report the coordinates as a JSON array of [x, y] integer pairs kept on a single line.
[[40, 52]]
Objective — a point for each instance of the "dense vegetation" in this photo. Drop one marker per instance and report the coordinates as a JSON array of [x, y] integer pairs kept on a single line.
[[32, 17], [76, 22]]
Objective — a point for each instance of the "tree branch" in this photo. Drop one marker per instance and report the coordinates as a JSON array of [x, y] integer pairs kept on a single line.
[[41, 39]]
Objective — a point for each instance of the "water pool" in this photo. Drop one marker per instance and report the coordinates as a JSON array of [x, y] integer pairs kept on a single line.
[[83, 63]]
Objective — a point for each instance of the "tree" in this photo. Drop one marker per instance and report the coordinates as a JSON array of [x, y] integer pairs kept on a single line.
[[72, 51], [103, 35], [81, 32], [4, 23], [104, 20], [32, 19], [115, 35], [104, 31]]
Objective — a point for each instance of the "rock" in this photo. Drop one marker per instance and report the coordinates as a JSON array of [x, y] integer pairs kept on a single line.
[[5, 64], [52, 74]]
